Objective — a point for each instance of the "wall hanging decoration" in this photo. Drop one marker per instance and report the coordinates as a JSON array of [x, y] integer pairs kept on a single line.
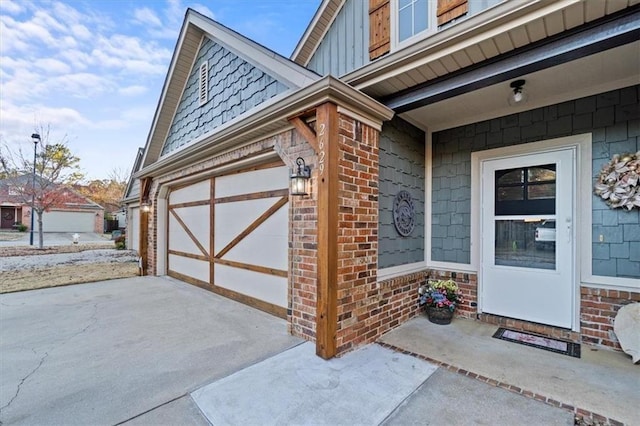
[[618, 183], [404, 214]]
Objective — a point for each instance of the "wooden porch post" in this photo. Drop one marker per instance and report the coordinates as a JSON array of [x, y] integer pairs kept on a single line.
[[327, 176]]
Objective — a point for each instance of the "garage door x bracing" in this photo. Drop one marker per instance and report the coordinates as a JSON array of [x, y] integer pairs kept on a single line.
[[230, 234]]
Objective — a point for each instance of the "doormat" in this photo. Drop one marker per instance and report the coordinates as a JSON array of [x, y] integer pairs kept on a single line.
[[540, 342]]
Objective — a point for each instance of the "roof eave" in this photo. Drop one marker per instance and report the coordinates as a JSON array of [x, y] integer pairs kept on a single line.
[[442, 41], [327, 89]]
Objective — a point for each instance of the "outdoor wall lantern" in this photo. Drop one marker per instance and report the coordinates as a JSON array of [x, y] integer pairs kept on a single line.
[[519, 95], [145, 207], [300, 177]]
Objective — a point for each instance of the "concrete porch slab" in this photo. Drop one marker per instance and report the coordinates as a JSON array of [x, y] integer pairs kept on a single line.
[[297, 387], [602, 382]]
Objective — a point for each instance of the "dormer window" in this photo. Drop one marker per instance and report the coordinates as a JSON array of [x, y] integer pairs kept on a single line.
[[203, 86]]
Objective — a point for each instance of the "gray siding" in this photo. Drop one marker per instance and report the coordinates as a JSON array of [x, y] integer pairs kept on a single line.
[[345, 47], [402, 166], [235, 86], [135, 189], [613, 118]]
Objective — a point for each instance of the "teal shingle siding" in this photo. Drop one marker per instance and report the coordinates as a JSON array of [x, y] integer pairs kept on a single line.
[[235, 86], [402, 167], [613, 119]]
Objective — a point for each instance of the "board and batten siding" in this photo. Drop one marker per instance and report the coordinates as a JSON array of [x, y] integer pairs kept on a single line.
[[613, 119], [345, 47], [402, 167], [235, 87]]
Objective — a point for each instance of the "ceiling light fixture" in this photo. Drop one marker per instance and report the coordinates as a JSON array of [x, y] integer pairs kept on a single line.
[[519, 95]]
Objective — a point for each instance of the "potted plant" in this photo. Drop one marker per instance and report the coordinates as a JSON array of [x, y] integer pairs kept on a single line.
[[440, 298]]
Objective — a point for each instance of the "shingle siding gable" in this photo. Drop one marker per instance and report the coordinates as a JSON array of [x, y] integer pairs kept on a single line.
[[235, 86]]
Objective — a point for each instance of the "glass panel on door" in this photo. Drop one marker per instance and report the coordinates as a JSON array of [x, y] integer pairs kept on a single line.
[[526, 243], [525, 217]]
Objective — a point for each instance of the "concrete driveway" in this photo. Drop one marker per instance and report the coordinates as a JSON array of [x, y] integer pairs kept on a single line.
[[107, 352]]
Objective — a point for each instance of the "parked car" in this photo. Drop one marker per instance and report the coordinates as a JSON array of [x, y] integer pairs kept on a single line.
[[546, 235]]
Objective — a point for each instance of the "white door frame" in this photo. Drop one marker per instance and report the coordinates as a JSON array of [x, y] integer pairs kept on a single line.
[[582, 215]]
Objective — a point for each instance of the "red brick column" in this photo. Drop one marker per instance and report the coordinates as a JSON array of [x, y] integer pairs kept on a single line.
[[359, 300]]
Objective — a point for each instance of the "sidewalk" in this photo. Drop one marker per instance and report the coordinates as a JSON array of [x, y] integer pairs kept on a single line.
[[603, 385]]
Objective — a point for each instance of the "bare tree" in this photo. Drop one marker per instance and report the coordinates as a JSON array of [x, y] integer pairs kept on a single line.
[[54, 166], [106, 192]]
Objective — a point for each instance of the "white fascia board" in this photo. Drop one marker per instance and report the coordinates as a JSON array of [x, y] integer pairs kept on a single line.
[[286, 71], [470, 32], [312, 25], [165, 87]]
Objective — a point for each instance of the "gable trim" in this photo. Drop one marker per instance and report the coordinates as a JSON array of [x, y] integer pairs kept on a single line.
[[316, 30], [279, 67], [194, 28]]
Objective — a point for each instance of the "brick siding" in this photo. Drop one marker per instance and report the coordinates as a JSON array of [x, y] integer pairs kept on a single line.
[[357, 234], [598, 308]]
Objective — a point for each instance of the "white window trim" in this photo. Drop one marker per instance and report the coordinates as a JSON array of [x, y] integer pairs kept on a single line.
[[400, 270], [203, 82], [395, 22]]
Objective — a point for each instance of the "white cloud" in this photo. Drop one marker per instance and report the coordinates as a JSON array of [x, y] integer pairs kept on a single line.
[[146, 16], [52, 65], [18, 121], [80, 85], [81, 31], [11, 7], [134, 90]]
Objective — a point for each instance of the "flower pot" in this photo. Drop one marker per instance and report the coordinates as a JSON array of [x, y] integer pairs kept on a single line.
[[439, 315]]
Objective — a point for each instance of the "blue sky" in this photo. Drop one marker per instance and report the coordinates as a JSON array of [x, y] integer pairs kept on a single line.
[[94, 69]]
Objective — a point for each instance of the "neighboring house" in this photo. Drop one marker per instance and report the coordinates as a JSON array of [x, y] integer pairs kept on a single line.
[[72, 212], [131, 200], [428, 156]]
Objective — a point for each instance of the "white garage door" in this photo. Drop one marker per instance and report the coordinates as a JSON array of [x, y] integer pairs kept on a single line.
[[230, 234], [59, 221], [133, 229]]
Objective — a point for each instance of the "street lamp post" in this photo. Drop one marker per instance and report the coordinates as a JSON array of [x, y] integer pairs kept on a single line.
[[35, 138]]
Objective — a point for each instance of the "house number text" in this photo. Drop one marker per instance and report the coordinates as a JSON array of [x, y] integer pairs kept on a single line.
[[321, 154]]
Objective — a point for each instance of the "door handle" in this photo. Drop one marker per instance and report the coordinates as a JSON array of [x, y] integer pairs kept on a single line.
[[568, 220]]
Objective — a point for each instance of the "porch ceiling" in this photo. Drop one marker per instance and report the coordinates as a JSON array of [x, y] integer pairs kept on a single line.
[[608, 70], [497, 31]]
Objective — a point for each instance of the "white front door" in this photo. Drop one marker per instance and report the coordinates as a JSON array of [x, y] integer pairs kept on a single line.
[[528, 237]]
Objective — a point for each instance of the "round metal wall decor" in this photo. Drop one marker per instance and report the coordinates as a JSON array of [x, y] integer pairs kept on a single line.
[[404, 214]]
